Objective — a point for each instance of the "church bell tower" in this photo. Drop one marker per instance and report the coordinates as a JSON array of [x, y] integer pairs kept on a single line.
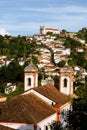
[[66, 80], [30, 77]]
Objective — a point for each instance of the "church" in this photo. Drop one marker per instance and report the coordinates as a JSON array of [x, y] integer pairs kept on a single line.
[[38, 107]]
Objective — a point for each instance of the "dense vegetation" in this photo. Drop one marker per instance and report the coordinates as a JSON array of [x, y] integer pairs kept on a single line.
[[71, 43], [77, 118], [56, 126], [16, 47], [76, 58], [82, 34]]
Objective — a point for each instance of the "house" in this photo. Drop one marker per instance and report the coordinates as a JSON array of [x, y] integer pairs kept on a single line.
[[37, 107], [79, 49], [9, 88]]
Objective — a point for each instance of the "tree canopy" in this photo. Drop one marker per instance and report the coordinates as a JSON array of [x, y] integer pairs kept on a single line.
[[16, 47], [56, 126], [77, 118], [61, 63], [71, 43], [11, 73]]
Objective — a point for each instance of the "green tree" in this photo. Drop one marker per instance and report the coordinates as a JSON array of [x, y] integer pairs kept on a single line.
[[77, 118], [50, 33], [2, 86], [61, 63], [56, 126], [71, 43], [79, 59], [71, 63], [1, 39], [11, 73], [64, 31], [82, 34], [86, 78]]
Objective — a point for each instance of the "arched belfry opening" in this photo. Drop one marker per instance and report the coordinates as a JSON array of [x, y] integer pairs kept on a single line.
[[65, 82], [29, 81]]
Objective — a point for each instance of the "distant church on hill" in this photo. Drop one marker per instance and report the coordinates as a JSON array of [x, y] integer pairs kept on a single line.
[[37, 107]]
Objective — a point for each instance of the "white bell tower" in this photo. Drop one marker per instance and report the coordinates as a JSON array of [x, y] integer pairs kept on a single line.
[[30, 77], [66, 80]]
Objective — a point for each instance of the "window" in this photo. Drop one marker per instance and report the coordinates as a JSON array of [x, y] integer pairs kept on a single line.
[[46, 127], [29, 81], [65, 82]]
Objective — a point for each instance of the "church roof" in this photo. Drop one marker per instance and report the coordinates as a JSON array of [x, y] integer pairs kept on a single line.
[[31, 68], [5, 128], [53, 94], [27, 108]]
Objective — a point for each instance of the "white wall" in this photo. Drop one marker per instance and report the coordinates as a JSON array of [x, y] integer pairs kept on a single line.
[[40, 96], [46, 122], [42, 124], [63, 113], [19, 126], [66, 51], [10, 89], [65, 90], [36, 80], [27, 87]]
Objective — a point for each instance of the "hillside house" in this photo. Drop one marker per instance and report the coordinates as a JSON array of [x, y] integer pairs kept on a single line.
[[9, 88]]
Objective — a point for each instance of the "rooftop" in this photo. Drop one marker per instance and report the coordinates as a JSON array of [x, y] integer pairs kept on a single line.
[[27, 108], [31, 68], [5, 128], [53, 94]]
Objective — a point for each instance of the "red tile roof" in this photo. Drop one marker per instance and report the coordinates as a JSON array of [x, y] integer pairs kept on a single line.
[[5, 128], [53, 94], [27, 108], [51, 29]]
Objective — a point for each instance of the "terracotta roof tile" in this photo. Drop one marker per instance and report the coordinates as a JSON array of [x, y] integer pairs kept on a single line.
[[5, 128], [25, 109], [51, 29], [52, 93]]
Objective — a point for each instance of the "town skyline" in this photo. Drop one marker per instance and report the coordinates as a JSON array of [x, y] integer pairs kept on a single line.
[[25, 17]]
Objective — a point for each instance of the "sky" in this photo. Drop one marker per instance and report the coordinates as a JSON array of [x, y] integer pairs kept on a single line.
[[24, 17]]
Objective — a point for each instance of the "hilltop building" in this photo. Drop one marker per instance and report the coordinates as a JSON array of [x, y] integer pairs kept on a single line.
[[37, 107], [44, 30]]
